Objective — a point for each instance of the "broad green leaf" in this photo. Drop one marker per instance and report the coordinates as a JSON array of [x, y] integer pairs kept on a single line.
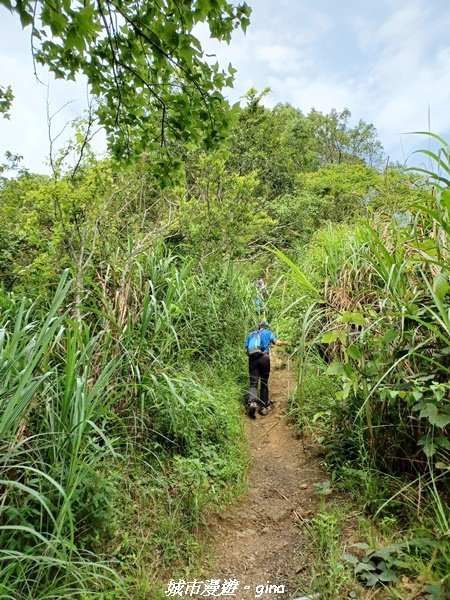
[[435, 589], [364, 566], [387, 575], [372, 368], [387, 551], [429, 449], [429, 410], [320, 415], [336, 368], [371, 579], [435, 417], [347, 389], [390, 335], [354, 352], [56, 21], [330, 336], [353, 317], [440, 420], [442, 442], [441, 285], [350, 558], [349, 370]]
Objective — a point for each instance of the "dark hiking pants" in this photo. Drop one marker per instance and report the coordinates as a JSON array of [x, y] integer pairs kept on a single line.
[[259, 370]]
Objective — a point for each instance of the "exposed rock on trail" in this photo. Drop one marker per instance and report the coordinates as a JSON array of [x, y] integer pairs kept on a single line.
[[258, 541]]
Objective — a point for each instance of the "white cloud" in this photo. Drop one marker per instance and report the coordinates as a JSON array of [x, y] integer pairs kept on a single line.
[[321, 94], [384, 60], [26, 133], [399, 70], [410, 74], [278, 57]]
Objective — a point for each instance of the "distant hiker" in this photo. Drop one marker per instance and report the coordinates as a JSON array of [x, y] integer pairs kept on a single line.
[[261, 295], [260, 308], [262, 289], [257, 345]]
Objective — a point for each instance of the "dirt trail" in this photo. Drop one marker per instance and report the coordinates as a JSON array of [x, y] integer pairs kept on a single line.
[[258, 541]]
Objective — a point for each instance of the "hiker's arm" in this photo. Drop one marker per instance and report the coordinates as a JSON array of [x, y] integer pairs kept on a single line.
[[280, 343]]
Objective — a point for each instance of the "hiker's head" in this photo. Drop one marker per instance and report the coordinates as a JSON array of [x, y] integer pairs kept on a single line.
[[264, 325]]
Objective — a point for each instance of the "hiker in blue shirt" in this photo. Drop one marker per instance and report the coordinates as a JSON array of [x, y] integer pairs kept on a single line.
[[257, 345]]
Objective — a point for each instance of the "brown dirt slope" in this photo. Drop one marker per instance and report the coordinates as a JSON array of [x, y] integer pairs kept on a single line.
[[258, 541]]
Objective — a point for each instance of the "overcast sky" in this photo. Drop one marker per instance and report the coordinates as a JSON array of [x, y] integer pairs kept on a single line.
[[385, 60]]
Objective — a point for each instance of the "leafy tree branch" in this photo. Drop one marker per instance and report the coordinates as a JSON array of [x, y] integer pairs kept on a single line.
[[145, 67]]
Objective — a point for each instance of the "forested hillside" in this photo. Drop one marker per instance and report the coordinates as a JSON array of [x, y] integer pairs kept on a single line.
[[127, 287], [123, 309]]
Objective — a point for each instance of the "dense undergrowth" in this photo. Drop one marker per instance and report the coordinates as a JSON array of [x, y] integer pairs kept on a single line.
[[119, 426], [123, 308], [373, 379]]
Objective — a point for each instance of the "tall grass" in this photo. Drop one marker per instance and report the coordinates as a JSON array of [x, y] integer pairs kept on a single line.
[[52, 397], [380, 328], [118, 379]]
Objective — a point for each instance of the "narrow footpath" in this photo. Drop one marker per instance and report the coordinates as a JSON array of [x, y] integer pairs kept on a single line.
[[259, 541]]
